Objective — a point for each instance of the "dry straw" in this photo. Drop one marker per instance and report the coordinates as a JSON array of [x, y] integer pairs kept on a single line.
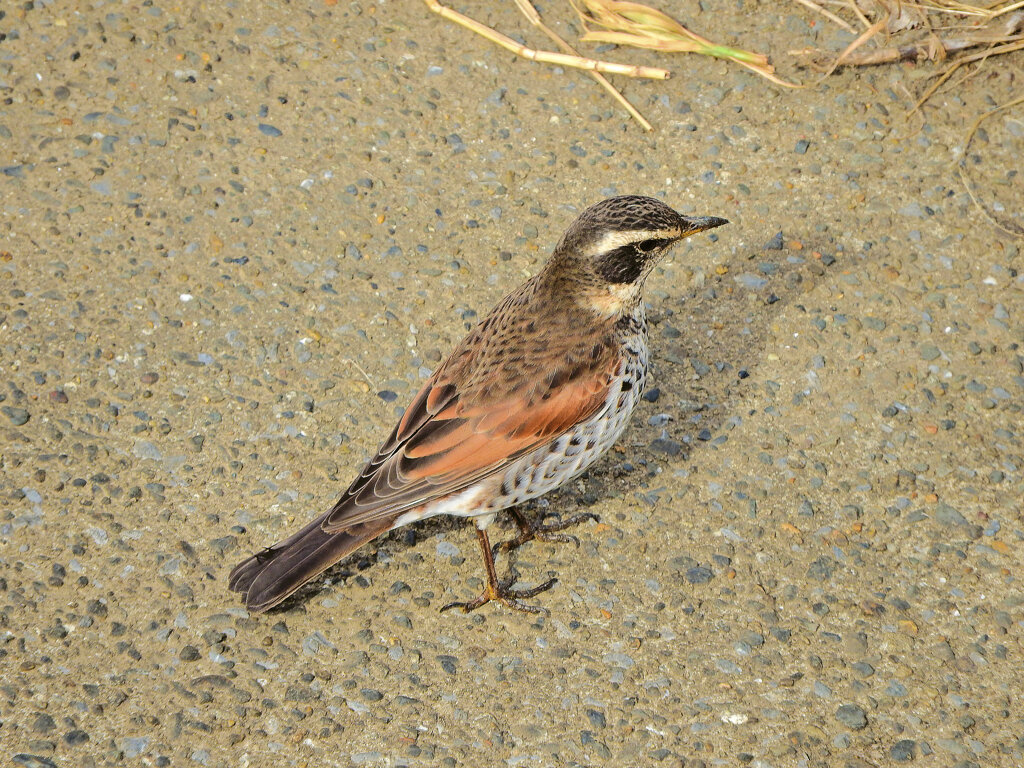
[[933, 30], [626, 23], [916, 31], [621, 23]]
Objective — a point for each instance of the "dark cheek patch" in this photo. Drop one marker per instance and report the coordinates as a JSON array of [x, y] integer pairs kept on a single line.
[[621, 265]]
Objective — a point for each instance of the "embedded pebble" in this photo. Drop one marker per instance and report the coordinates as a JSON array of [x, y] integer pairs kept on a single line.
[[666, 446], [18, 416], [852, 716], [146, 449], [699, 575], [903, 751], [751, 281], [652, 395]]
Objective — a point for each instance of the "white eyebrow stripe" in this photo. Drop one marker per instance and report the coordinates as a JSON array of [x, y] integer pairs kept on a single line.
[[616, 239]]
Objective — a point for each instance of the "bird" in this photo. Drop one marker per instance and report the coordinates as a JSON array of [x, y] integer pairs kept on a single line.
[[536, 393]]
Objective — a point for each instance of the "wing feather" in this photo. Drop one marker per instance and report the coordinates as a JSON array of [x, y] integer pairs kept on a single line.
[[447, 440]]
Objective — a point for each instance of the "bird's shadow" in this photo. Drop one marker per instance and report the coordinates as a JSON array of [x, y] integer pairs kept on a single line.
[[707, 341]]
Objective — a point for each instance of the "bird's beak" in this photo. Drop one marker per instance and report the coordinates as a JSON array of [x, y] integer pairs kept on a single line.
[[692, 225]]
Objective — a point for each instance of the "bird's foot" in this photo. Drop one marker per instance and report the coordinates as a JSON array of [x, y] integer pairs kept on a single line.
[[503, 593], [537, 529]]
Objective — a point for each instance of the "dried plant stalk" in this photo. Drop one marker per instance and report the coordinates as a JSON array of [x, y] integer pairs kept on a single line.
[[998, 23], [546, 57], [527, 9], [622, 22], [1009, 227]]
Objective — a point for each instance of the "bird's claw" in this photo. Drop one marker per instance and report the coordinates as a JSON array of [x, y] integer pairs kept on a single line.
[[547, 533], [504, 593]]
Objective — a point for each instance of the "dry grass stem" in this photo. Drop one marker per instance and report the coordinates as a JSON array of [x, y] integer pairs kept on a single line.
[[827, 14], [546, 57], [982, 56], [527, 9], [1010, 228], [963, 26], [621, 22]]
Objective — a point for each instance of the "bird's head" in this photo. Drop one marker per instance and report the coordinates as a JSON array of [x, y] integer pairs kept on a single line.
[[611, 248]]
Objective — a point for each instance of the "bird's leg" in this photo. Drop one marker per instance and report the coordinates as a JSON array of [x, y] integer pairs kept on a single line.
[[535, 529], [500, 590]]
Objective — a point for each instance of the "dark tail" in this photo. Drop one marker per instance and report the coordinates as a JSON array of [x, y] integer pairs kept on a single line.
[[268, 577]]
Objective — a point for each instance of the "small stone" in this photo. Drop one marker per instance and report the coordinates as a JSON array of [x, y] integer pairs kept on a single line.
[[652, 395], [58, 396], [76, 737], [903, 750], [751, 281], [947, 515], [269, 130], [314, 643], [699, 574], [387, 395], [802, 146], [18, 416], [33, 761], [728, 667], [149, 378], [666, 446], [587, 740], [43, 723], [447, 549], [144, 449], [896, 688], [775, 244], [852, 716], [135, 745], [751, 638], [862, 668], [189, 653]]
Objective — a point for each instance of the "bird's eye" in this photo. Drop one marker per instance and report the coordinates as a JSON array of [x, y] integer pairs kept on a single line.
[[654, 243]]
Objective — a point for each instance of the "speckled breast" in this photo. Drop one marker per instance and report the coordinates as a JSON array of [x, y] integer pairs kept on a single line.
[[555, 464]]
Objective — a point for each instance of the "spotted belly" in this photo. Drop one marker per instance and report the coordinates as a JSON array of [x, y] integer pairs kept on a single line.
[[571, 454], [558, 462]]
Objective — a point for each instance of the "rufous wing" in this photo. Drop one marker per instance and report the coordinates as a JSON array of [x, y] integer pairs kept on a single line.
[[447, 440]]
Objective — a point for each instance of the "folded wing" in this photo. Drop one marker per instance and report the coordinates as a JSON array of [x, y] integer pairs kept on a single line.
[[448, 440]]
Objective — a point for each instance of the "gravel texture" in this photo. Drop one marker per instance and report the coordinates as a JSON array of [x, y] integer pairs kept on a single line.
[[236, 237]]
